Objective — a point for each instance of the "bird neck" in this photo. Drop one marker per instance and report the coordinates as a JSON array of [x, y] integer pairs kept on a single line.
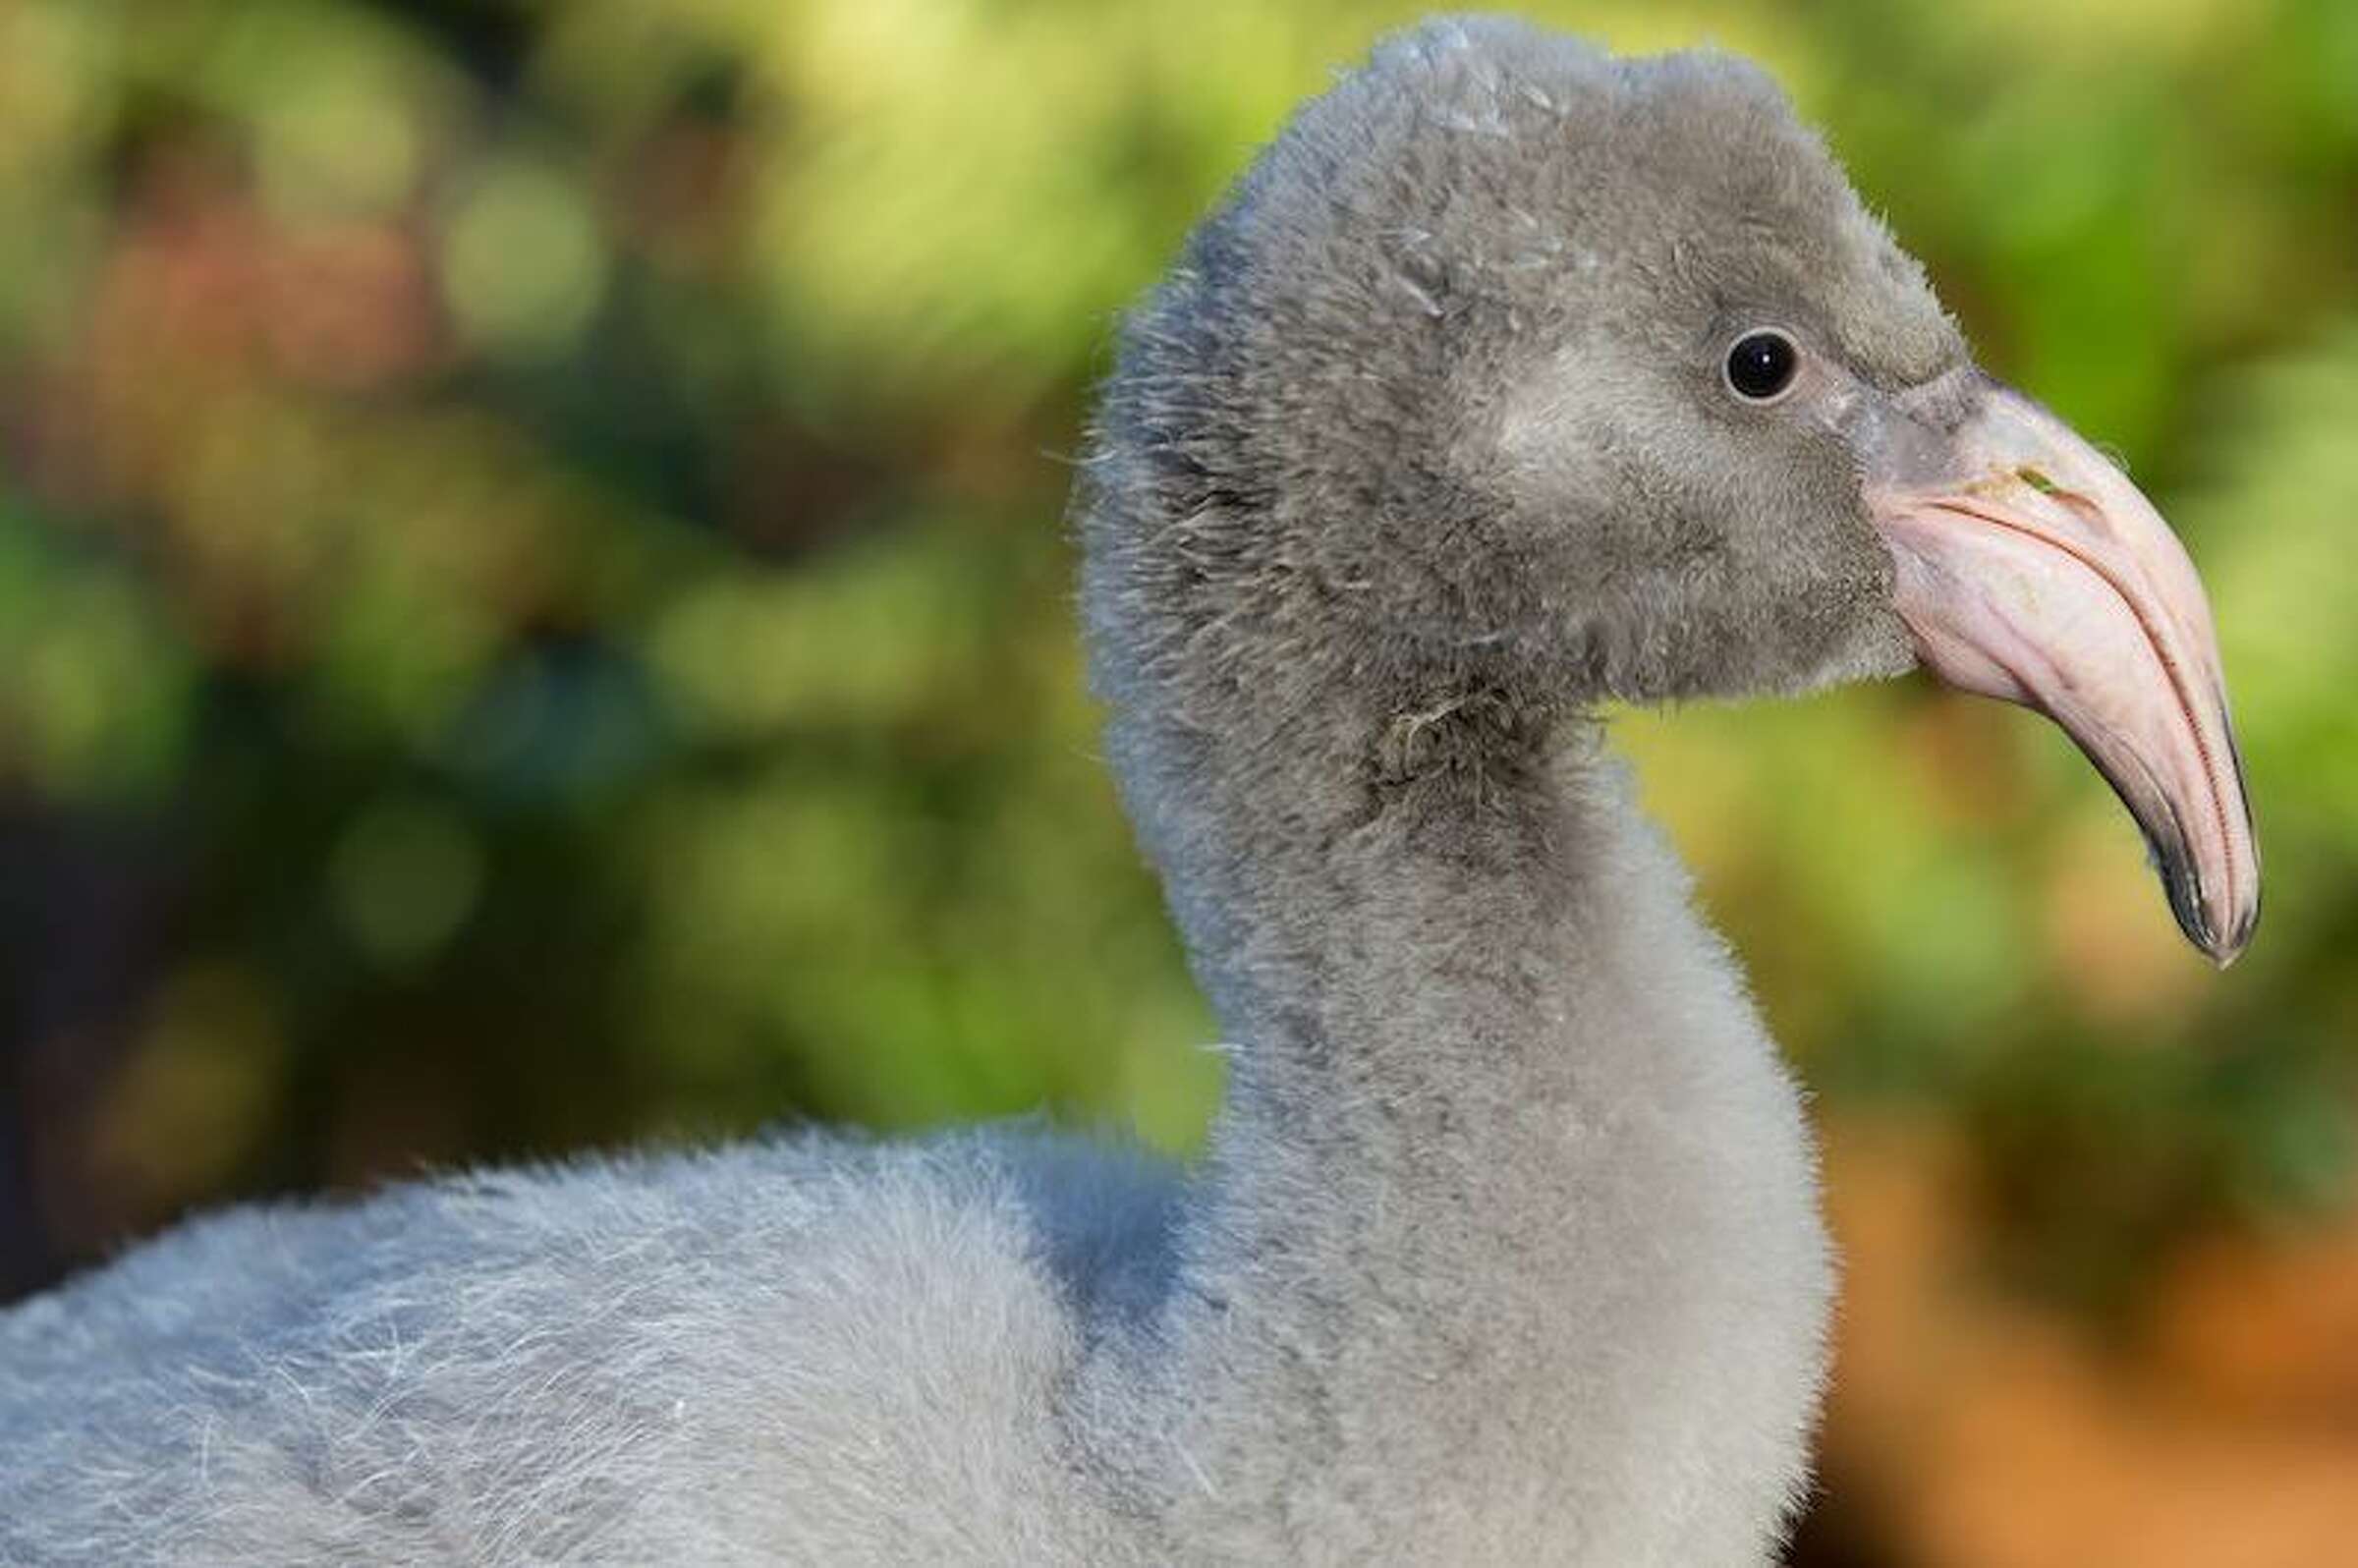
[[1505, 1155], [1404, 985], [1432, 1005]]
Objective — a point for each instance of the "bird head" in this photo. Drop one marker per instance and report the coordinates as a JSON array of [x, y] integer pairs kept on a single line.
[[1520, 371]]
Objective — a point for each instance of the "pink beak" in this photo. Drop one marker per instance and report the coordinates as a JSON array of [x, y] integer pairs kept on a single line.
[[2030, 569]]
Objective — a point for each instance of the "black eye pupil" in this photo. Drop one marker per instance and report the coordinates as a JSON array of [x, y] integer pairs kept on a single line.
[[1761, 364]]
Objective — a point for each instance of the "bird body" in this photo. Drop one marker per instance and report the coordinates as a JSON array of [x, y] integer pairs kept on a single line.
[[1505, 1247], [1010, 1345]]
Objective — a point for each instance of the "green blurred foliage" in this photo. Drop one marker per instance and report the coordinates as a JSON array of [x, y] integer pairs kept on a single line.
[[529, 543]]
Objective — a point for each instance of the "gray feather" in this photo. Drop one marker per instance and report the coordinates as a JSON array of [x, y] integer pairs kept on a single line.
[[1505, 1250]]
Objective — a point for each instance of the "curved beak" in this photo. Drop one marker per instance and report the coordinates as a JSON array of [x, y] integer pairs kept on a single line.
[[2029, 568]]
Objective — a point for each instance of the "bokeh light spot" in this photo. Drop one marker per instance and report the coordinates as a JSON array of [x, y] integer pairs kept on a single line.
[[199, 1088], [523, 264], [406, 875]]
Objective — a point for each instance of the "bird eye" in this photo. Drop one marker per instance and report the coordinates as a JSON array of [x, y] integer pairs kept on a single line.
[[1761, 365]]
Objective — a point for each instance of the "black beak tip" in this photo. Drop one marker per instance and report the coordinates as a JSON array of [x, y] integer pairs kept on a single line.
[[2222, 946], [2187, 905], [2237, 938]]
